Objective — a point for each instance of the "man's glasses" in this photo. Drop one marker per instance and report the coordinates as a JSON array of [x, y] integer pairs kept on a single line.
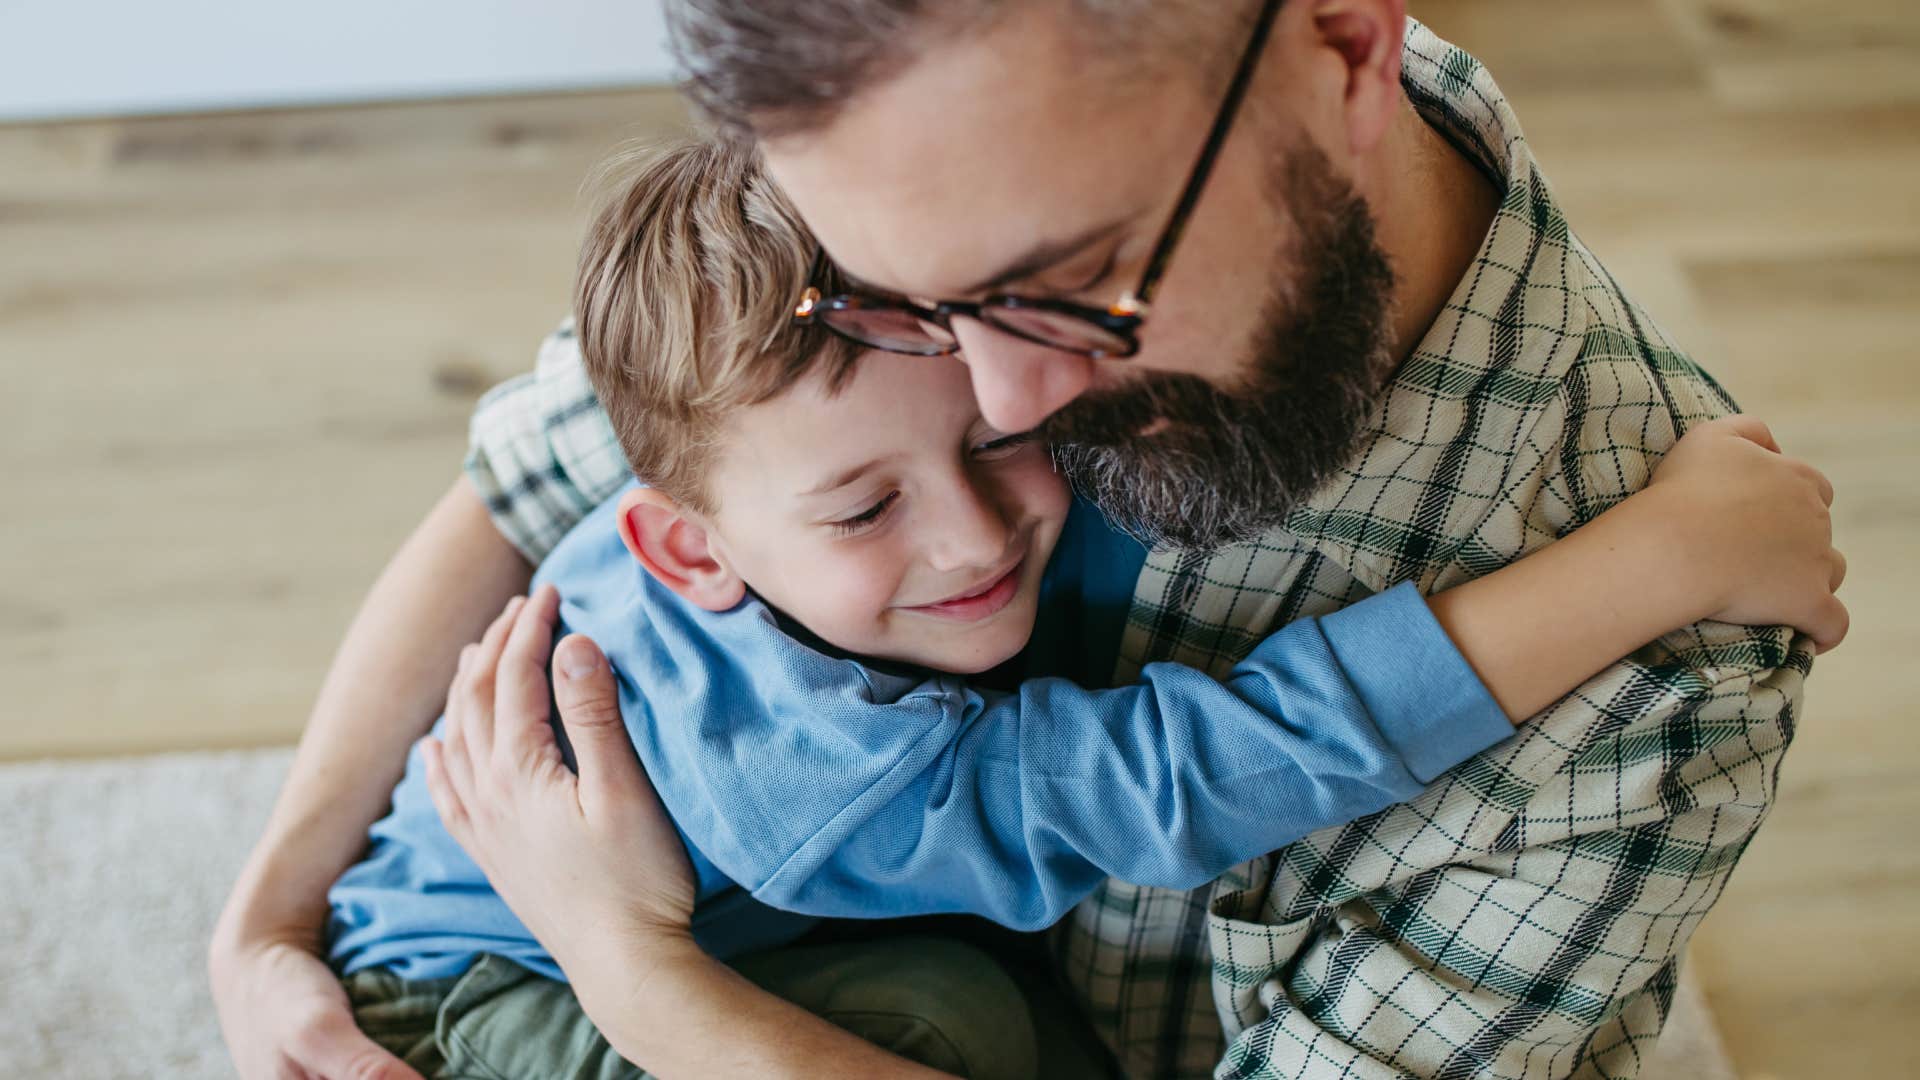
[[894, 323]]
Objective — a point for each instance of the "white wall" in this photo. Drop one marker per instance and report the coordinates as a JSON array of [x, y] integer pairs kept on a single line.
[[91, 57]]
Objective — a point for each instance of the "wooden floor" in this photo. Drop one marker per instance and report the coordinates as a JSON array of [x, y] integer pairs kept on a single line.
[[237, 354]]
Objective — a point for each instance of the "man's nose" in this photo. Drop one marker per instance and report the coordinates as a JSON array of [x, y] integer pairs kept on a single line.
[[970, 532], [1016, 383]]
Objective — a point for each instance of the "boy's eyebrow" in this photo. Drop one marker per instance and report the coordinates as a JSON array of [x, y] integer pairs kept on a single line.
[[842, 478]]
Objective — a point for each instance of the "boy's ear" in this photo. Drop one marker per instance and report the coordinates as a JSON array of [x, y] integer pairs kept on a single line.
[[676, 550]]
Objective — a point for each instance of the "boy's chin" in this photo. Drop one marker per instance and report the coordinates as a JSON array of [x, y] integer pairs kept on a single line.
[[986, 657]]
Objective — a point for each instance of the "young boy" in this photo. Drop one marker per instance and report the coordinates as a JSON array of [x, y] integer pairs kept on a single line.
[[828, 539]]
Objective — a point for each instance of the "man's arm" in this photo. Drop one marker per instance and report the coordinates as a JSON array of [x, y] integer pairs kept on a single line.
[[385, 687], [540, 452], [595, 869], [693, 1016]]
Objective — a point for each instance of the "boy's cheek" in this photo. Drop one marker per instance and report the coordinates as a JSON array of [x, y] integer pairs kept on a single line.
[[845, 595]]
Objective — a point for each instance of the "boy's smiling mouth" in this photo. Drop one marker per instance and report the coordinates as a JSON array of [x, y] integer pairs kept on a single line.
[[979, 601]]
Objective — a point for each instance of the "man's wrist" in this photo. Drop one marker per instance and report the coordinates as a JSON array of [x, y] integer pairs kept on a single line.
[[633, 990], [268, 907]]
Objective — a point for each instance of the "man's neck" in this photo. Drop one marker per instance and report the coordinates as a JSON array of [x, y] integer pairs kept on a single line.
[[1432, 208]]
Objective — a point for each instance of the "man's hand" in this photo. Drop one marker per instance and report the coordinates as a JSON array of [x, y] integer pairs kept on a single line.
[[590, 863], [285, 1015]]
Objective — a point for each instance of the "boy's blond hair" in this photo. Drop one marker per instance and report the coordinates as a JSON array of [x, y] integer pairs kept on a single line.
[[684, 303]]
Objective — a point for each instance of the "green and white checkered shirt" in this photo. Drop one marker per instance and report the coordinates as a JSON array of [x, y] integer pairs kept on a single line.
[[1526, 914]]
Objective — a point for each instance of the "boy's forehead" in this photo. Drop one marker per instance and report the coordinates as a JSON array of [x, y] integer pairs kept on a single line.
[[890, 407]]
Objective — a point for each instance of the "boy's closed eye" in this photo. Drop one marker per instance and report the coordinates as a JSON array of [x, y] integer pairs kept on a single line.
[[995, 447], [867, 518]]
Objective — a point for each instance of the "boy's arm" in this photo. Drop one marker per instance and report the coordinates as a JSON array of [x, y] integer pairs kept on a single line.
[[385, 687], [1728, 530], [1014, 806]]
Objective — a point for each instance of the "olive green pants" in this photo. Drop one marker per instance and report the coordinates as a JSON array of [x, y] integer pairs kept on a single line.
[[937, 1001]]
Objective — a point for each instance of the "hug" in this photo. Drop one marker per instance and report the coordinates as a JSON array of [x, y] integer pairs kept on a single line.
[[1010, 575]]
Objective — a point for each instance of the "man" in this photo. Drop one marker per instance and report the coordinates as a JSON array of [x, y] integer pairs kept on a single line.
[[1373, 209], [1355, 344]]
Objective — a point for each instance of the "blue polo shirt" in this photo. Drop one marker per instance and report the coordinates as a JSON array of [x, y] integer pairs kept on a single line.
[[807, 783]]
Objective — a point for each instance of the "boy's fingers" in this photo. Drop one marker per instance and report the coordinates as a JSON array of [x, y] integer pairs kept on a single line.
[[1753, 429], [520, 696], [1839, 570], [1820, 483], [1833, 622], [589, 702]]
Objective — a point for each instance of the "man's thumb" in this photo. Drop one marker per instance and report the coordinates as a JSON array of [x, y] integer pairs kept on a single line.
[[339, 1049], [589, 705]]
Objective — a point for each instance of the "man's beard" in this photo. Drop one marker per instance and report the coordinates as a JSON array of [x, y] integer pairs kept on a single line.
[[1230, 463]]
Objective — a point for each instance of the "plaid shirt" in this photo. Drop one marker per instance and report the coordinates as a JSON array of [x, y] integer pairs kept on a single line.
[[1524, 916]]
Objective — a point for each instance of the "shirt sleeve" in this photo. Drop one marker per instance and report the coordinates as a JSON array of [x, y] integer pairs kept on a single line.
[[540, 451], [1014, 806]]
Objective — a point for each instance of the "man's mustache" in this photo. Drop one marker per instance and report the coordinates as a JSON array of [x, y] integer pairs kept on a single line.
[[1117, 417]]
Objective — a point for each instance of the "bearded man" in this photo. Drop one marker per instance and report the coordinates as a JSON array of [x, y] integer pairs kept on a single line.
[[1287, 289]]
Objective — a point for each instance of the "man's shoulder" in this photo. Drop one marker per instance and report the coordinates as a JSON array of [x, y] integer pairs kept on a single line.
[[1626, 395]]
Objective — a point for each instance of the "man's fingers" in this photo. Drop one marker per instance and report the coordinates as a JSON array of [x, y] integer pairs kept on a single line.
[[496, 635], [480, 670], [459, 693], [590, 711], [456, 765], [520, 695], [446, 801], [337, 1049], [1839, 570]]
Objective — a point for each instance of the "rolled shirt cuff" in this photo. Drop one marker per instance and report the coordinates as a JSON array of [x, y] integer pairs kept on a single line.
[[1424, 697]]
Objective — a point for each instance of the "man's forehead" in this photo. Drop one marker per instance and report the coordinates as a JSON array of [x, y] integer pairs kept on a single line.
[[974, 154]]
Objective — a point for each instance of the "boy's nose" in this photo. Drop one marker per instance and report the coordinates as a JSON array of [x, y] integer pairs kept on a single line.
[[970, 532], [1016, 383]]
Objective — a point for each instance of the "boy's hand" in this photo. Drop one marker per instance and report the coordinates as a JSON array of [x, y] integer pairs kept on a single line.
[[1758, 527], [590, 863]]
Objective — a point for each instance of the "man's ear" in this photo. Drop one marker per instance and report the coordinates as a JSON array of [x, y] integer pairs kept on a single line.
[[1368, 35], [676, 550]]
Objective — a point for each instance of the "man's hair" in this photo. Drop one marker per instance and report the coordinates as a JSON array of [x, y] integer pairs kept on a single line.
[[683, 305], [782, 67]]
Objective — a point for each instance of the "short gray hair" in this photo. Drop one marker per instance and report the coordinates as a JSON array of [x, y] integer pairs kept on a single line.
[[781, 67]]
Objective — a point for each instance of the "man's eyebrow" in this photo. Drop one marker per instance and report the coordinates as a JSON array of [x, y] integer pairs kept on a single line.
[[1044, 255], [843, 478]]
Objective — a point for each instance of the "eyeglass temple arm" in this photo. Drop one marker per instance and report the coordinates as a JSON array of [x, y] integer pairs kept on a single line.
[[810, 296], [1163, 248]]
